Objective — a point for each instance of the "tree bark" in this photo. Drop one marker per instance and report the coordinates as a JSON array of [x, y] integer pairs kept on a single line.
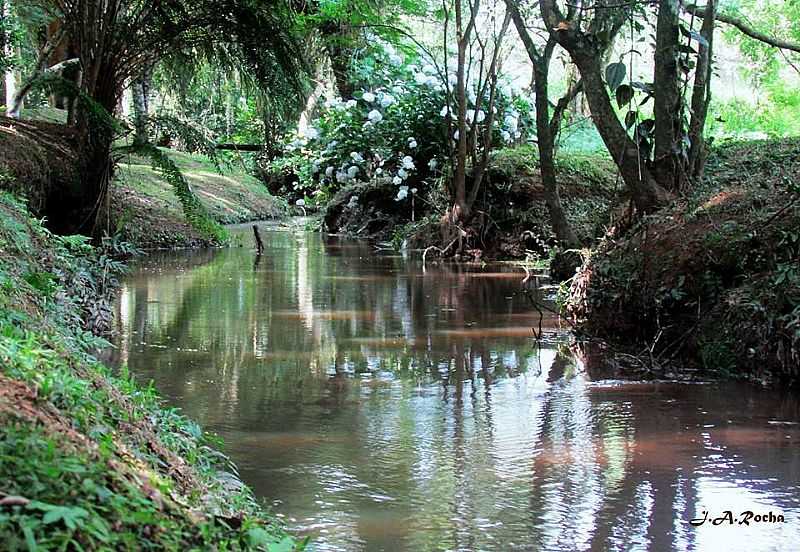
[[8, 52], [139, 89], [668, 168], [701, 93], [584, 49], [545, 137]]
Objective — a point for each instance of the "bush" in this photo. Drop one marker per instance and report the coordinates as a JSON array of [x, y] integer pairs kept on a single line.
[[395, 128]]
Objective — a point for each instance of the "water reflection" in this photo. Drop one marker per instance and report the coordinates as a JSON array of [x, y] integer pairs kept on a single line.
[[382, 408]]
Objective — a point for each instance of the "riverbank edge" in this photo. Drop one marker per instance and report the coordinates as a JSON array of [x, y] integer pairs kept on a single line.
[[710, 286], [91, 459]]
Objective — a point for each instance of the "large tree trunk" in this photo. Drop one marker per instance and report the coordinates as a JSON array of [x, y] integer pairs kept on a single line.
[[668, 166], [586, 51]]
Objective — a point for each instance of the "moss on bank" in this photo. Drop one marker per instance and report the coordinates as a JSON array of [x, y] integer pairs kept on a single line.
[[88, 460], [713, 281]]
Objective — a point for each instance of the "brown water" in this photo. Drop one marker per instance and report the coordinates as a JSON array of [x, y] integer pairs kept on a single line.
[[377, 407]]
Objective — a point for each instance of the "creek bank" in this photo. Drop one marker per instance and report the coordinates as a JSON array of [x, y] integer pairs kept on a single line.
[[91, 460], [512, 220], [711, 283], [37, 161]]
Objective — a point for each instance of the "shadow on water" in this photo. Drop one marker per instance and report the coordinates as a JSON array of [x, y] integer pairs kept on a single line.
[[378, 407]]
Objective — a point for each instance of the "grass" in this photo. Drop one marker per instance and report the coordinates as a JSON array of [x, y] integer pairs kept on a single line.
[[89, 460], [151, 215]]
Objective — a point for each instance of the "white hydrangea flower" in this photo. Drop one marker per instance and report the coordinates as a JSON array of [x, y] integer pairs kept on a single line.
[[413, 68], [408, 163], [368, 97], [402, 193], [378, 171], [332, 102], [353, 201], [311, 133], [421, 78], [510, 123], [506, 136], [480, 117], [352, 171], [456, 134], [356, 157], [402, 174], [329, 172], [432, 164], [375, 116], [351, 104], [341, 176], [300, 202], [429, 69], [387, 100], [397, 180], [395, 60], [397, 89]]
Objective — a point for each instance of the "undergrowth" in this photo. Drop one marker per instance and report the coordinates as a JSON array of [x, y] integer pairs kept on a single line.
[[88, 459]]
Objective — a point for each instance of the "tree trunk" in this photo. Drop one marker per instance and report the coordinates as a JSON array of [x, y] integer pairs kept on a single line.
[[460, 207], [545, 137], [140, 110], [586, 51], [8, 53], [546, 145], [646, 192], [701, 93], [668, 167]]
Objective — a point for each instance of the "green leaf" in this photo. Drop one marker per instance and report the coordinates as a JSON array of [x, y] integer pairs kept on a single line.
[[630, 119], [624, 95], [615, 74], [286, 545]]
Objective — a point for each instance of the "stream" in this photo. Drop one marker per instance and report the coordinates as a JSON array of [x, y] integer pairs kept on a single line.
[[377, 406]]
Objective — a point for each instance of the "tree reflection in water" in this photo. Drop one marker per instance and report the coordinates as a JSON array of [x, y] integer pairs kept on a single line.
[[384, 408]]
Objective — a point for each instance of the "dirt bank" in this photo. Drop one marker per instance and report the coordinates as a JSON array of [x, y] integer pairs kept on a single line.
[[714, 281]]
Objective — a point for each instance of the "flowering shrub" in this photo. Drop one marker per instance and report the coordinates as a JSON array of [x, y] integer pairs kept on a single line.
[[394, 130]]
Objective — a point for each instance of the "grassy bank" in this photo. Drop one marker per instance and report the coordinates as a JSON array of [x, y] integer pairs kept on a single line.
[[37, 159], [88, 460], [713, 282], [150, 215]]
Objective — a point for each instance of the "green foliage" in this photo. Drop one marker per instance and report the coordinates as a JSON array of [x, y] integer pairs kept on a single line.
[[193, 209], [91, 456], [394, 130]]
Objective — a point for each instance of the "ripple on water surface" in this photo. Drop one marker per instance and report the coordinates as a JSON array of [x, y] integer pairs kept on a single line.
[[380, 408]]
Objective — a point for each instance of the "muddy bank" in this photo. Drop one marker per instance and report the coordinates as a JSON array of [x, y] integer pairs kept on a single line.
[[713, 282]]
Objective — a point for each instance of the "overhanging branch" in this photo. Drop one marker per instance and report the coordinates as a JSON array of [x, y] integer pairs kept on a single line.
[[748, 30]]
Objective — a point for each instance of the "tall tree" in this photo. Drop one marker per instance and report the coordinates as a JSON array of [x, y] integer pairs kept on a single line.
[[117, 39], [585, 32]]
